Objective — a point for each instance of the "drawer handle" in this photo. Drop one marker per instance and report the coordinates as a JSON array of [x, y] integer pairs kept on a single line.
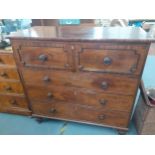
[[72, 47], [53, 111], [43, 57], [103, 102], [50, 95], [46, 79], [8, 88], [133, 68], [104, 85], [107, 61], [3, 74], [13, 102], [102, 117]]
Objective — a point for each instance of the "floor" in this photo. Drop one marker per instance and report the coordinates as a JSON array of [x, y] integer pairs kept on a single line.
[[21, 125]]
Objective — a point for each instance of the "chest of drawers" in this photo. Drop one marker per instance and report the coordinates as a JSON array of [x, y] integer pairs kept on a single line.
[[12, 96], [82, 74]]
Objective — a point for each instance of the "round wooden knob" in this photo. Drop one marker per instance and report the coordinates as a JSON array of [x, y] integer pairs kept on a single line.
[[50, 95], [104, 85], [72, 47], [107, 61], [8, 88], [103, 102], [46, 79], [3, 74], [43, 57]]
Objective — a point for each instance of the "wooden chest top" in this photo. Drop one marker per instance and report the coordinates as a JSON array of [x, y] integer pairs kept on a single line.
[[77, 33]]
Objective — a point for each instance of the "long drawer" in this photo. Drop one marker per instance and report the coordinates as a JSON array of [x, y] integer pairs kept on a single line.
[[11, 87], [81, 113], [101, 82], [8, 73], [80, 96], [9, 101]]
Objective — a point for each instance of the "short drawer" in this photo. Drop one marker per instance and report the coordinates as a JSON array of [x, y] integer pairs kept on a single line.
[[11, 87], [101, 82], [80, 96], [7, 59], [9, 101], [112, 59], [81, 113], [8, 73], [47, 57]]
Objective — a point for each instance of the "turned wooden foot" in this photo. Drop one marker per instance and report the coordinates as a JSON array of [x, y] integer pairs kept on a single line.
[[122, 132]]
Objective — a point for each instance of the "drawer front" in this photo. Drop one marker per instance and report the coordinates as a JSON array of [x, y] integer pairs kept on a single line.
[[81, 113], [113, 58], [7, 59], [101, 82], [80, 96], [49, 57], [8, 73], [8, 101], [11, 87]]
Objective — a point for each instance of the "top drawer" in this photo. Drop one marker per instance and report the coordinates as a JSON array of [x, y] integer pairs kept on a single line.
[[6, 59], [121, 58], [48, 57]]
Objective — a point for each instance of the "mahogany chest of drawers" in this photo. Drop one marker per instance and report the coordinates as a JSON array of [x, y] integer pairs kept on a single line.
[[82, 74], [12, 96]]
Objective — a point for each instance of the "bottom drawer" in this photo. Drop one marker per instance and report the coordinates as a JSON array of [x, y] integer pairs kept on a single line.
[[9, 101], [76, 112]]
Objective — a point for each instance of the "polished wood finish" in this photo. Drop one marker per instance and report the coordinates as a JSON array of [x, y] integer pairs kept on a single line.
[[81, 96], [83, 74], [116, 84], [126, 61], [7, 101], [90, 57], [12, 98], [80, 112], [83, 33], [11, 87], [16, 110], [8, 73], [45, 57], [7, 59]]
